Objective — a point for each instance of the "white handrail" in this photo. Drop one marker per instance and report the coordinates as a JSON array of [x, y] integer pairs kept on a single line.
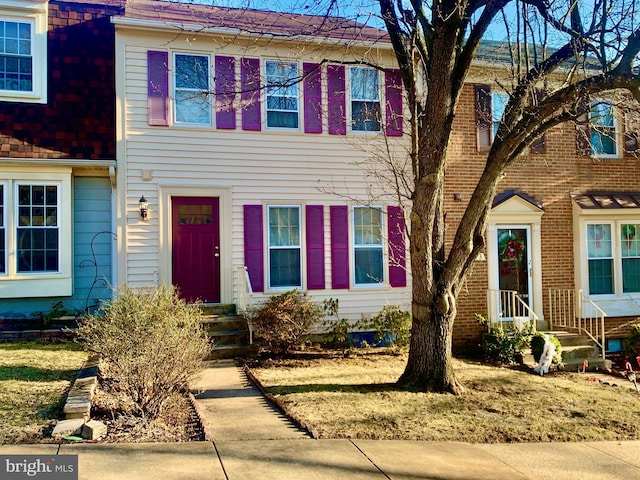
[[505, 306], [245, 294]]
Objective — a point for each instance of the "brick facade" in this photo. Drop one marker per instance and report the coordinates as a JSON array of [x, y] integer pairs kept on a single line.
[[548, 178], [79, 119]]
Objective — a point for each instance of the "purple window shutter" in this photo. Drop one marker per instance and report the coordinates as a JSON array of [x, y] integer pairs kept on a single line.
[[253, 246], [393, 92], [157, 88], [397, 250], [250, 96], [225, 92], [312, 98], [339, 246], [337, 100], [315, 247]]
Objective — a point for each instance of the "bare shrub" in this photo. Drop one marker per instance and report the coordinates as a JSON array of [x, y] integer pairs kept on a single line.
[[151, 344], [283, 320]]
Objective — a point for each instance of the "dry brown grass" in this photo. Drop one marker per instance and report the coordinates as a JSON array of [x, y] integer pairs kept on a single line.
[[356, 398]]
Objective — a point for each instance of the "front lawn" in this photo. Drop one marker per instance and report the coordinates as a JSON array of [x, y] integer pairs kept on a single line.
[[356, 398], [34, 378]]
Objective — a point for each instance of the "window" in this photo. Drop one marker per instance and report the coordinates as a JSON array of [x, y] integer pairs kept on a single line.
[[602, 125], [630, 252], [367, 245], [600, 254], [35, 226], [282, 94], [284, 247], [498, 103], [3, 235], [192, 102], [37, 231], [23, 52], [365, 99], [16, 60]]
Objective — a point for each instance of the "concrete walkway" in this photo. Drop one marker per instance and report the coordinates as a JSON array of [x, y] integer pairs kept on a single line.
[[250, 440]]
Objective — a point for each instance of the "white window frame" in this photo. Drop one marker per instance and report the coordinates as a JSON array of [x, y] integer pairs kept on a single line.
[[38, 284], [495, 120], [195, 91], [614, 247], [355, 247], [36, 14], [282, 247], [353, 99], [267, 95], [617, 131], [3, 225]]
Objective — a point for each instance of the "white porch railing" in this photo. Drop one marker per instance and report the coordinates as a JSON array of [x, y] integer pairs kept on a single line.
[[245, 295], [573, 310], [507, 309]]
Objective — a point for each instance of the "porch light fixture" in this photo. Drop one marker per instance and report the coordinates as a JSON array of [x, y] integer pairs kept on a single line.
[[143, 205]]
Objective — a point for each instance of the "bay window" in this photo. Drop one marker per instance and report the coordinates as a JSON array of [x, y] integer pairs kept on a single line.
[[35, 226]]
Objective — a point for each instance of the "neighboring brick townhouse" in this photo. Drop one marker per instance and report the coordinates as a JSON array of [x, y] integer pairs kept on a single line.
[[566, 218], [57, 154]]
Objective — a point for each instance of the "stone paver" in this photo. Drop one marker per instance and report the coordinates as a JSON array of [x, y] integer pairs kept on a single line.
[[233, 409], [146, 461]]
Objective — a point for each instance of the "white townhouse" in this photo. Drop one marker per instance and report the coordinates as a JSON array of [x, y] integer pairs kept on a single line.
[[245, 139]]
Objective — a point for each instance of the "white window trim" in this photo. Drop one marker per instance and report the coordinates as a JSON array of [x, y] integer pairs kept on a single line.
[[3, 227], [38, 284], [36, 13], [381, 102], [299, 96], [352, 250], [300, 247], [617, 124], [173, 87]]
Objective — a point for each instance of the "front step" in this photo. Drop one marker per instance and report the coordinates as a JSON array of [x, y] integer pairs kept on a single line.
[[576, 349], [228, 331]]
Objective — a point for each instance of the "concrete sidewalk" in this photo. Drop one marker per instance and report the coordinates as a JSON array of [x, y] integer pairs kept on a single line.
[[251, 440]]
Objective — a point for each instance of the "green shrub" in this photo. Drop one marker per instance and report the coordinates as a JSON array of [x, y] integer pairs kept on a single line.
[[283, 320], [537, 346], [631, 344], [336, 328], [392, 324], [151, 344], [505, 346]]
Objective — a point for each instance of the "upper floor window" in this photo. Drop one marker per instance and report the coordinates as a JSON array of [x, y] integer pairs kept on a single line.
[[282, 94], [365, 99], [603, 134], [499, 101], [16, 61], [368, 248], [192, 100], [284, 247], [23, 52]]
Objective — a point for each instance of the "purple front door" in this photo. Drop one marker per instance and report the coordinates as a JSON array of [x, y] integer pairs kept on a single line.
[[196, 248]]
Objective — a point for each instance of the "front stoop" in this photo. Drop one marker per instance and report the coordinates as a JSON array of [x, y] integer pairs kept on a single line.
[[576, 349], [229, 331]]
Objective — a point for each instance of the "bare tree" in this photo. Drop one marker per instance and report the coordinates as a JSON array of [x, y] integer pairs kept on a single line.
[[560, 54]]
